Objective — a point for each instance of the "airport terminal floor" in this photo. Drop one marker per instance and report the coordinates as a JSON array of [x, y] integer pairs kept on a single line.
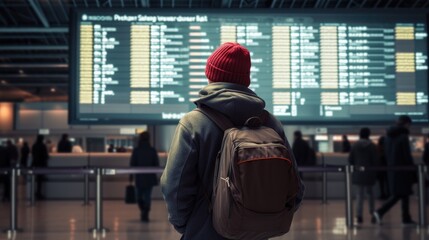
[[58, 220]]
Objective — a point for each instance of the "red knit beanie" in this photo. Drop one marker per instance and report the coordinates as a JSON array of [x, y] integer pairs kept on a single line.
[[229, 63]]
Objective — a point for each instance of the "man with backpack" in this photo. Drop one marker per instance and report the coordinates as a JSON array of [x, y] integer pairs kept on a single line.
[[201, 183]]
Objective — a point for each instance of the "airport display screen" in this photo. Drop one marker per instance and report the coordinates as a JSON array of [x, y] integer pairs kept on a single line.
[[146, 66]]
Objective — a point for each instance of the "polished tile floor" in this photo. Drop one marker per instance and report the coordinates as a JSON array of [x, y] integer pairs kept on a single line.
[[60, 220]]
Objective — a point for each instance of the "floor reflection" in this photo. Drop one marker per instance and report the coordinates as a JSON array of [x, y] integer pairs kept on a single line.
[[50, 220]]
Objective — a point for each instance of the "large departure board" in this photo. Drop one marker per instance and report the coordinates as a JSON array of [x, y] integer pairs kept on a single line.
[[147, 66]]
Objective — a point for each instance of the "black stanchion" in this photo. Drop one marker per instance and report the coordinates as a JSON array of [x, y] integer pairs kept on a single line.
[[422, 196], [13, 203], [349, 200], [99, 204], [13, 225]]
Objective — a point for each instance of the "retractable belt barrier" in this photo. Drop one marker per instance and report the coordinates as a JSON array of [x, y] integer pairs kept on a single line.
[[100, 171]]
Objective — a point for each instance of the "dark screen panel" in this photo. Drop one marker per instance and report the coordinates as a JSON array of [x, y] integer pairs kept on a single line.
[[147, 66]]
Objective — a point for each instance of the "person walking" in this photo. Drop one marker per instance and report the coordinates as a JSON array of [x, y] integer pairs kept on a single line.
[[398, 154], [187, 181], [144, 155], [382, 175], [39, 152], [363, 154]]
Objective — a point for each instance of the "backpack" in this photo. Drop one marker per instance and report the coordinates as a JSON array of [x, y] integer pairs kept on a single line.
[[255, 181]]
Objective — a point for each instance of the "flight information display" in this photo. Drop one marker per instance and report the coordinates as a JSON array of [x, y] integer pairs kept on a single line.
[[147, 66]]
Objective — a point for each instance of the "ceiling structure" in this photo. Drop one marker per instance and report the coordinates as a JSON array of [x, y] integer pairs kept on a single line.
[[34, 37]]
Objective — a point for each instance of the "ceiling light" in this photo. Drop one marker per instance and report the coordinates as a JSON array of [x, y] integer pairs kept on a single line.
[[21, 71], [3, 82], [53, 90]]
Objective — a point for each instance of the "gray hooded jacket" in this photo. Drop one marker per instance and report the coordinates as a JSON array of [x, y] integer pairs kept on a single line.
[[187, 181]]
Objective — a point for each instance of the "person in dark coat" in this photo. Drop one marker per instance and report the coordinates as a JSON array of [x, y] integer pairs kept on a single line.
[[363, 154], [5, 179], [187, 181], [12, 153], [40, 155], [64, 145], [25, 152], [301, 149], [111, 148], [12, 156], [382, 175], [144, 155], [345, 144], [398, 154]]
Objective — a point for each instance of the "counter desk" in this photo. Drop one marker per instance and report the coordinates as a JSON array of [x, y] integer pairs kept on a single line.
[[71, 186]]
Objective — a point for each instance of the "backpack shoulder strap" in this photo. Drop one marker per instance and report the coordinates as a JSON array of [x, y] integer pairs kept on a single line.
[[223, 123], [221, 120]]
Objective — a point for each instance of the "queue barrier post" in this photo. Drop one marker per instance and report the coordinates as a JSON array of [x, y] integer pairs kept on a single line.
[[99, 204], [349, 200], [13, 206], [422, 195], [13, 218]]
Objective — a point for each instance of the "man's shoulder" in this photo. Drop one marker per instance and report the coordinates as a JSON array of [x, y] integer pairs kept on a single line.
[[193, 119]]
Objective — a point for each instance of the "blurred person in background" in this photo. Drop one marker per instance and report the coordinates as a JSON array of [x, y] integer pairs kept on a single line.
[[363, 154], [4, 179], [39, 152], [111, 148], [301, 149], [304, 154], [398, 154], [144, 155], [64, 145], [12, 153], [25, 152], [382, 175], [345, 144]]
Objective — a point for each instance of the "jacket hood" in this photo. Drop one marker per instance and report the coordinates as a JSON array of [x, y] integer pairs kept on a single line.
[[235, 101], [395, 131]]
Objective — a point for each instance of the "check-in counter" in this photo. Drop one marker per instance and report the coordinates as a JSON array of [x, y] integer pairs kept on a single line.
[[71, 186]]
